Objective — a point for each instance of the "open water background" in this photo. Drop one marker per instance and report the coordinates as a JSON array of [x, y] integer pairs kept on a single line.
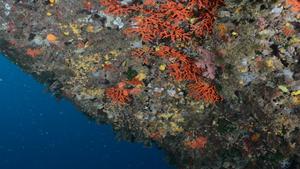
[[39, 132]]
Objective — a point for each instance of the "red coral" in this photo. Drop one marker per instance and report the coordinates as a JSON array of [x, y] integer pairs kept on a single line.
[[184, 68], [209, 5], [87, 5], [203, 90], [295, 5], [134, 82], [185, 71], [149, 2], [118, 94], [141, 52], [205, 25], [164, 20], [288, 31], [147, 28], [163, 23], [114, 7], [168, 52], [174, 21], [164, 51], [33, 52], [198, 143], [107, 67], [174, 33], [176, 12]]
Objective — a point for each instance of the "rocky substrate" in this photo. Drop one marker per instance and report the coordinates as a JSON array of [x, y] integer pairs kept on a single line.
[[80, 52]]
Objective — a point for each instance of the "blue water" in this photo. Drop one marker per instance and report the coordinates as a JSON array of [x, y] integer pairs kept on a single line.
[[39, 132]]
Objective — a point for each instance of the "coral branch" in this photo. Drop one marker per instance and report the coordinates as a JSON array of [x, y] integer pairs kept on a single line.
[[198, 143], [295, 5], [168, 52], [114, 7], [118, 94], [202, 90], [185, 71], [33, 52], [173, 22]]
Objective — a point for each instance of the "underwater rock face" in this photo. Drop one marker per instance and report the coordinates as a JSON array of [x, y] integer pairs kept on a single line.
[[214, 83]]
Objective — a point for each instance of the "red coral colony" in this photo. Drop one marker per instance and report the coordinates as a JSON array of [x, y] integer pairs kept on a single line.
[[170, 22]]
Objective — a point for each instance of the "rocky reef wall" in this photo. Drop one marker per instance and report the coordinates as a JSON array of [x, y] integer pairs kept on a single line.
[[214, 83]]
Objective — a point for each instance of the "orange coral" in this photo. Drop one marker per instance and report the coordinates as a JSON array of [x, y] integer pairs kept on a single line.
[[174, 21], [184, 68], [141, 52], [107, 67], [295, 5], [33, 52], [185, 71], [147, 28], [87, 5], [203, 90], [175, 11], [175, 33], [204, 26], [287, 31], [165, 51], [209, 5], [149, 2], [118, 94], [198, 143], [134, 82], [115, 7], [165, 21], [222, 31], [155, 135], [168, 52]]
